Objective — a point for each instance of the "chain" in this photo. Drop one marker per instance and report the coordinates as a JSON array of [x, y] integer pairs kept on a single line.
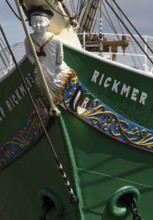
[[73, 198], [47, 204], [131, 202]]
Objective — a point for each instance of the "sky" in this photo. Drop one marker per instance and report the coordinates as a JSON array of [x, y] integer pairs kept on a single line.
[[138, 11]]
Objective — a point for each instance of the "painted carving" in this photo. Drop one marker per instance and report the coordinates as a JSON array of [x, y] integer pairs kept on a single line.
[[49, 50], [94, 112], [26, 136]]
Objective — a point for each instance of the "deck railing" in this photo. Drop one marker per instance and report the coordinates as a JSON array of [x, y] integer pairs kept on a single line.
[[6, 61], [121, 47]]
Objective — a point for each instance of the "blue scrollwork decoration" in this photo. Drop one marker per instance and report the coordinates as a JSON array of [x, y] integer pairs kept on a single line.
[[25, 138], [94, 112]]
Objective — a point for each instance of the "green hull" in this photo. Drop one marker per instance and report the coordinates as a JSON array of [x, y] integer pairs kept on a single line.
[[96, 164]]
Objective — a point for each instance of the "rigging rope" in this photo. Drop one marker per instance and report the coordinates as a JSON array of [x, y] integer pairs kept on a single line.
[[84, 3], [70, 17], [130, 33], [110, 21], [67, 16], [24, 8], [12, 10], [131, 41], [78, 6], [118, 20], [72, 5], [132, 25]]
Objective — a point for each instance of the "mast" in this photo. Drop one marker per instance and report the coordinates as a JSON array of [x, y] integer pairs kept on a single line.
[[97, 43], [88, 15]]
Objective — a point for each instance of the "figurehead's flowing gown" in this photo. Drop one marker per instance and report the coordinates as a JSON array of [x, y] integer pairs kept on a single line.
[[56, 71]]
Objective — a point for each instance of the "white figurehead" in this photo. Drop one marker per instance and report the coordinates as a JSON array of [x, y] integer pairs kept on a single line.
[[49, 50]]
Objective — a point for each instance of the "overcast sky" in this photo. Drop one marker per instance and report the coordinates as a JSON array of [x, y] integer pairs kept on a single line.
[[140, 13]]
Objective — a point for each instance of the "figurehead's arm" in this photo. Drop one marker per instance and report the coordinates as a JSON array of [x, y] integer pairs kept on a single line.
[[59, 52]]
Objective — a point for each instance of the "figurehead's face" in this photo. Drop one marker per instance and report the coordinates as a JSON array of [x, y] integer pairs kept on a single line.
[[40, 24]]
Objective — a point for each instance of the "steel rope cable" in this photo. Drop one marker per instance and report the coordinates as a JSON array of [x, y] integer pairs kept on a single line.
[[110, 21], [130, 33], [72, 5], [71, 17], [132, 43], [57, 12], [113, 28], [132, 25], [117, 18], [12, 10], [78, 7]]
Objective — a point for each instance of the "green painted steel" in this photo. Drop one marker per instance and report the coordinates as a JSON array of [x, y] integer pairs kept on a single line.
[[14, 102], [105, 166], [132, 110], [22, 182], [96, 165], [35, 171]]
